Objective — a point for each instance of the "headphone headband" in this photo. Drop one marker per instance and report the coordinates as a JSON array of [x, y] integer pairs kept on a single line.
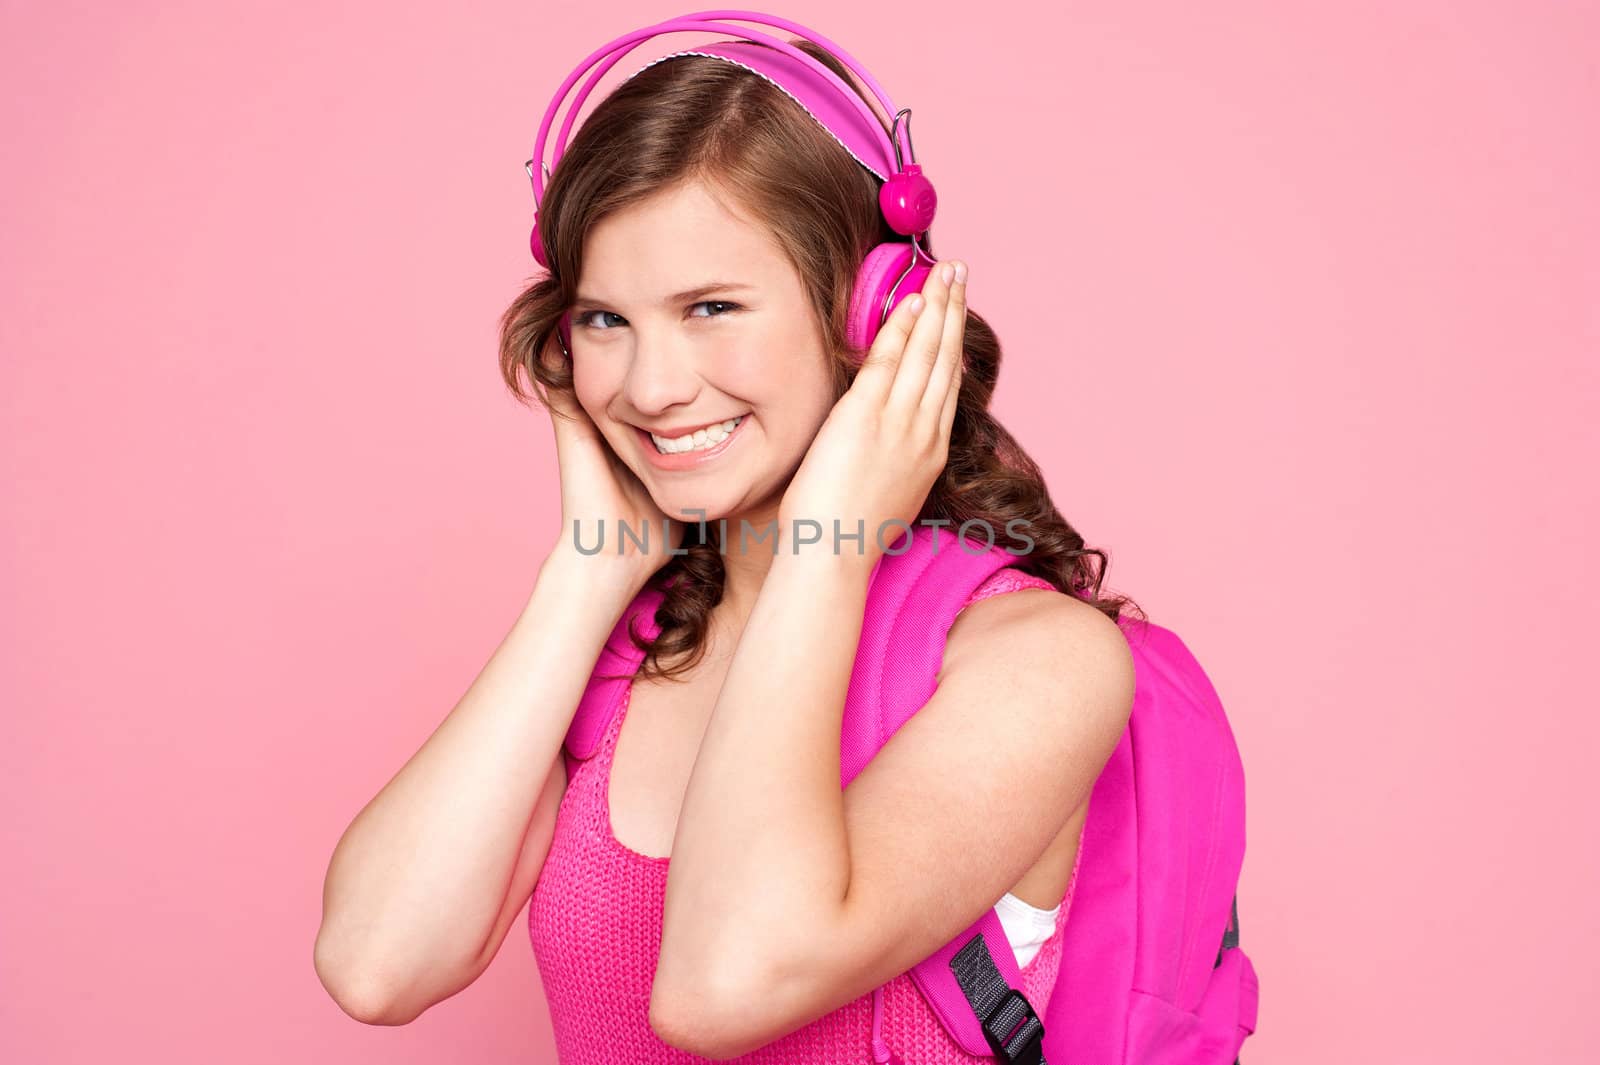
[[890, 271], [869, 136]]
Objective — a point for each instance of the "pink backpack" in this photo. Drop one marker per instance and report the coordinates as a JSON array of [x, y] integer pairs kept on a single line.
[[1151, 971]]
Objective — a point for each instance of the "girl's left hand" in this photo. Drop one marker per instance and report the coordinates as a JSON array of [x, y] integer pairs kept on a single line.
[[885, 442]]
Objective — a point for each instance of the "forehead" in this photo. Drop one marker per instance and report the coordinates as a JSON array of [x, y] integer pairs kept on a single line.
[[682, 235]]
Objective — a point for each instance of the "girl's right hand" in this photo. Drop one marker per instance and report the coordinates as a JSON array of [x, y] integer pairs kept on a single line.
[[596, 487]]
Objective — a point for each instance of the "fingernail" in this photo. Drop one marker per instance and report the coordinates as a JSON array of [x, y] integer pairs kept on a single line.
[[947, 273], [961, 272]]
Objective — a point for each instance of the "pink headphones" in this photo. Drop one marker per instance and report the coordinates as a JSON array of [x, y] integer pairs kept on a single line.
[[891, 271]]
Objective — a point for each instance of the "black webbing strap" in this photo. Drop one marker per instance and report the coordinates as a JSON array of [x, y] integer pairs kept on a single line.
[[1011, 1026], [1230, 938], [1230, 935]]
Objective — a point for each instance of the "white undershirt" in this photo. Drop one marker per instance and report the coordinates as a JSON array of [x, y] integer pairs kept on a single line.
[[1026, 927]]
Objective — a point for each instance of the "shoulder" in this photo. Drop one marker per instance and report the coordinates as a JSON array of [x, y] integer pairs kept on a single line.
[[1042, 647], [1012, 606]]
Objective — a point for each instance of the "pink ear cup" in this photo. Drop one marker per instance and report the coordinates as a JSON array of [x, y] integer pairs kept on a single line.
[[878, 271], [536, 246], [875, 283]]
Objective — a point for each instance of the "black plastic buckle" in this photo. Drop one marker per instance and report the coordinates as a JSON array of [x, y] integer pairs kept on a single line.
[[1029, 1051]]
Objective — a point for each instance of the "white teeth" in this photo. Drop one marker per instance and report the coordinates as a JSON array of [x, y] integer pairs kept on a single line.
[[698, 440]]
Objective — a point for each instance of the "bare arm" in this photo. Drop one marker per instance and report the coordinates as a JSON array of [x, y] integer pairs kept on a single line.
[[425, 882]]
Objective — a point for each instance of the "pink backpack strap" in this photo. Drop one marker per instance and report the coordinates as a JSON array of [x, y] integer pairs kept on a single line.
[[912, 600], [609, 679], [973, 984]]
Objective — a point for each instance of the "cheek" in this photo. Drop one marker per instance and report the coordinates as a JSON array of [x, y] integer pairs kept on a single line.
[[593, 383], [780, 366], [792, 396]]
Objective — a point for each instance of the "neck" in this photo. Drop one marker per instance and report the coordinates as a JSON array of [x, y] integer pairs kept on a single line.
[[747, 560]]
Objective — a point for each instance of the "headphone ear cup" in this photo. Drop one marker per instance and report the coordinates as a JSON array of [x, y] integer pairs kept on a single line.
[[536, 246], [876, 287]]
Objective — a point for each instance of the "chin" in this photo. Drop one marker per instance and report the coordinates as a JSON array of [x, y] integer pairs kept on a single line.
[[689, 508]]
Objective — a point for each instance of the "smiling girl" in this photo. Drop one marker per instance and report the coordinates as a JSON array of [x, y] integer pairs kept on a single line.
[[702, 887]]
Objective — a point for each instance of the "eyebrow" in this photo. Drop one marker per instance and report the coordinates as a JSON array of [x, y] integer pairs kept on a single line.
[[680, 297]]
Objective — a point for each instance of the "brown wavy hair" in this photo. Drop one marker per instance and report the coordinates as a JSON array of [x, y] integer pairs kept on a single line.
[[696, 117]]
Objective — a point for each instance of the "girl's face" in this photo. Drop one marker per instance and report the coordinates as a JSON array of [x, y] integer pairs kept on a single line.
[[688, 315]]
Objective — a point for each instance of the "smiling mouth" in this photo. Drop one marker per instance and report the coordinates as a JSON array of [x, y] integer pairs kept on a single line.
[[699, 440]]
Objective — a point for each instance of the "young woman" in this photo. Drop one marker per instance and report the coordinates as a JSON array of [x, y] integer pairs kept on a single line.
[[701, 887]]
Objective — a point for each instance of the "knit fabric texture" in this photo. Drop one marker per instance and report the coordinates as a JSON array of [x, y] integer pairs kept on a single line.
[[595, 924]]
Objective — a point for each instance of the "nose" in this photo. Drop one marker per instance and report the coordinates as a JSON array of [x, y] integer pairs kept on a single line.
[[661, 374]]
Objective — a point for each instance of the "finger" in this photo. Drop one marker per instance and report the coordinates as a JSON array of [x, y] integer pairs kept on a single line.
[[950, 341], [922, 346], [952, 400], [876, 372]]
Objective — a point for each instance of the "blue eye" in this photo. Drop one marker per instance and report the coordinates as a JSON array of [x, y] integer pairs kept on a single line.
[[585, 319], [714, 303]]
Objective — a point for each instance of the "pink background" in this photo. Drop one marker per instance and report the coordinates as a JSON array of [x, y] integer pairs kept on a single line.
[[1320, 287]]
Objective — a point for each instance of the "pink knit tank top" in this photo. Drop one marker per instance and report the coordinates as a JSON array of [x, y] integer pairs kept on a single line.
[[595, 924]]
